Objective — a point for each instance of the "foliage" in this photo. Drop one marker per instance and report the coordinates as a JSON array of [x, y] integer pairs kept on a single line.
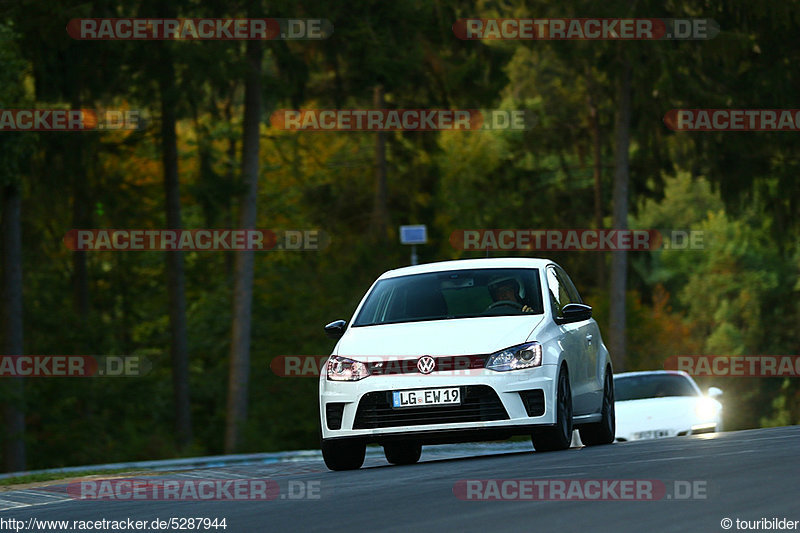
[[738, 295]]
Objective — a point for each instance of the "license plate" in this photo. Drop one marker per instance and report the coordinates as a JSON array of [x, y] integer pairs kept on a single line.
[[653, 434], [426, 397]]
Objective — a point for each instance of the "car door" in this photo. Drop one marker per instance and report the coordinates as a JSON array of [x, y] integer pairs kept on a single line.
[[568, 338], [579, 343]]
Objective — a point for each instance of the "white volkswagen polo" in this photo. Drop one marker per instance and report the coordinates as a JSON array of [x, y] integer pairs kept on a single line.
[[457, 351]]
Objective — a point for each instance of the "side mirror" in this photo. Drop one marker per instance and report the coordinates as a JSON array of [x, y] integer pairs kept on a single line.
[[576, 312], [335, 329], [714, 392]]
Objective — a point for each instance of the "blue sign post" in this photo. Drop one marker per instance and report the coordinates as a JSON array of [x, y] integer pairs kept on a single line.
[[414, 235]]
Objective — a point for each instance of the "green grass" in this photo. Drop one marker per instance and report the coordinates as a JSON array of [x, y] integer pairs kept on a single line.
[[54, 476]]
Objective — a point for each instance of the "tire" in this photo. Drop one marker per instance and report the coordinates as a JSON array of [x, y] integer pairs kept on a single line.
[[602, 432], [402, 453], [558, 437], [343, 454]]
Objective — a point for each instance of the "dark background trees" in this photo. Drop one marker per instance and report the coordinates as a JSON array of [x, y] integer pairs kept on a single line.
[[206, 156]]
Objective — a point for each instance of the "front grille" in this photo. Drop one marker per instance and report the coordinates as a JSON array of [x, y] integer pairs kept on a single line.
[[333, 413], [533, 400], [480, 403], [448, 363]]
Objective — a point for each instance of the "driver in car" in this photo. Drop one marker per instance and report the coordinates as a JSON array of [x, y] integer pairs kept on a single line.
[[507, 290]]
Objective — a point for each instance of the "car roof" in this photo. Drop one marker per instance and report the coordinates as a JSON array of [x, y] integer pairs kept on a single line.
[[652, 373], [464, 264]]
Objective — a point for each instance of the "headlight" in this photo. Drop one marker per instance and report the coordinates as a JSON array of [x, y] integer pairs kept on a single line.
[[343, 369], [526, 355], [706, 408]]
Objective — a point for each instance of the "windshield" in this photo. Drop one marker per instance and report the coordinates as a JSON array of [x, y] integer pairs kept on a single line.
[[652, 386], [452, 294]]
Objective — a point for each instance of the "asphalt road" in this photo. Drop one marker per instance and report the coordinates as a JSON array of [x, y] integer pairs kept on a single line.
[[747, 475]]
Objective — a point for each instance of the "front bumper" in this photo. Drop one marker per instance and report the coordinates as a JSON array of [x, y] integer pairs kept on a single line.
[[649, 433], [494, 403]]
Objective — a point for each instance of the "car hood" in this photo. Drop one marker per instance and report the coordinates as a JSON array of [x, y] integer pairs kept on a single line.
[[463, 336], [675, 413]]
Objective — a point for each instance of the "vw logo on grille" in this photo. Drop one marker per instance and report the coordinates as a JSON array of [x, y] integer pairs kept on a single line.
[[426, 364]]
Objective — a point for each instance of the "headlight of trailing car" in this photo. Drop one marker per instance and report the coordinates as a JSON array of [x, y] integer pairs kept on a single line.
[[344, 369], [526, 355], [707, 408]]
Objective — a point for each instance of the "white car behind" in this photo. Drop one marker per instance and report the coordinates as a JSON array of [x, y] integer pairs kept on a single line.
[[663, 403]]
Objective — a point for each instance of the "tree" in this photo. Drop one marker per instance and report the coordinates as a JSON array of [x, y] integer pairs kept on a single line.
[[179, 349], [13, 151], [239, 374], [380, 213], [13, 411], [619, 259]]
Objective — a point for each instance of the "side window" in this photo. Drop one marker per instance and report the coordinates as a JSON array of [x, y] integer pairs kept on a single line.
[[568, 288], [556, 292], [562, 291]]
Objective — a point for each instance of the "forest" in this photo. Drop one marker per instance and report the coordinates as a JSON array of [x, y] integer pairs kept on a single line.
[[602, 148]]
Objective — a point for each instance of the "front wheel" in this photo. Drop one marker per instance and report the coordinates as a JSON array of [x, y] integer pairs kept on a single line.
[[602, 432], [558, 437], [343, 454], [402, 453]]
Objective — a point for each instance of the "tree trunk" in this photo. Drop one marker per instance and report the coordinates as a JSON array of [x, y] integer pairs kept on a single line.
[[179, 348], [597, 156], [14, 408], [75, 167], [380, 215], [228, 216], [80, 216], [239, 374], [619, 259]]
